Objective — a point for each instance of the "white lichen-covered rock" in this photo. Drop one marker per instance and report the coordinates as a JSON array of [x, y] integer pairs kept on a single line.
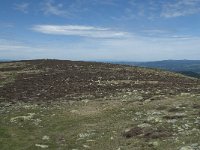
[[83, 135], [172, 121], [74, 111], [37, 121], [195, 145], [138, 113], [41, 146], [154, 119], [180, 114], [155, 143], [144, 125], [85, 101], [86, 146], [185, 94], [45, 137], [28, 117], [186, 148]]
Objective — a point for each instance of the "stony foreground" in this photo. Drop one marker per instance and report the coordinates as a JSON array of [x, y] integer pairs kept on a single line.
[[49, 104]]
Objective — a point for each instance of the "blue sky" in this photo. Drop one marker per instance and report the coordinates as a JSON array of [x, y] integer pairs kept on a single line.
[[120, 30]]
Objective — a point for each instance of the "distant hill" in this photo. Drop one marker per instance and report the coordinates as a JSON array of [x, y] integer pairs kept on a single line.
[[190, 73], [186, 67], [5, 60]]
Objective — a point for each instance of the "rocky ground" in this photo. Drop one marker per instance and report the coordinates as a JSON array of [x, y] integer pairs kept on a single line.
[[51, 104]]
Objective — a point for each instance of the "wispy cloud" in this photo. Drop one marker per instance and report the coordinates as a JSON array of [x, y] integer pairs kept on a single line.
[[77, 30], [153, 9], [180, 8], [6, 25], [22, 7], [133, 48], [11, 45], [74, 8], [13, 49], [104, 2], [49, 7]]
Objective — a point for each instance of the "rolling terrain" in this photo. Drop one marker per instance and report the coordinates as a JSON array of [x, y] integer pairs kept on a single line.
[[59, 104]]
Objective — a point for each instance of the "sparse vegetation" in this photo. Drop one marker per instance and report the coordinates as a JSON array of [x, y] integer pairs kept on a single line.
[[139, 108]]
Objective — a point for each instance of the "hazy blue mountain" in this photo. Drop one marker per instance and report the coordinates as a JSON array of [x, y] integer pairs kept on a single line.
[[174, 65], [186, 67], [5, 60]]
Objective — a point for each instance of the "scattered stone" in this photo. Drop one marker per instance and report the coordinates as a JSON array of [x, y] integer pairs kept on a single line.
[[185, 94], [144, 125], [83, 135], [24, 118], [71, 102], [74, 111], [45, 137], [156, 113], [7, 104], [154, 144], [195, 145], [180, 129], [140, 98], [147, 101], [91, 140], [138, 113], [186, 148], [128, 133], [85, 101], [154, 119], [86, 146], [41, 146], [172, 121], [37, 121]]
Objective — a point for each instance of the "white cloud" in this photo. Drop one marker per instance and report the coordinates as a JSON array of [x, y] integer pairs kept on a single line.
[[133, 48], [104, 2], [6, 25], [156, 32], [23, 7], [153, 9], [180, 8], [16, 46], [77, 30], [52, 8], [12, 49]]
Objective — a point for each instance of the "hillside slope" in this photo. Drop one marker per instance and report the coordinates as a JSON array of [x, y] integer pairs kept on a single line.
[[54, 104], [55, 79]]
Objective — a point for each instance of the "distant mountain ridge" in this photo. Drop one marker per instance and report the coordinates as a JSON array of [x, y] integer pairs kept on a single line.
[[174, 65], [186, 67], [5, 60]]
